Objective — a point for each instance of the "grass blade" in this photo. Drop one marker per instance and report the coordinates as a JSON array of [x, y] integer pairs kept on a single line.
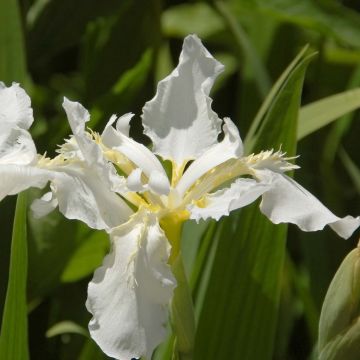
[[12, 56], [14, 337], [320, 113], [250, 139]]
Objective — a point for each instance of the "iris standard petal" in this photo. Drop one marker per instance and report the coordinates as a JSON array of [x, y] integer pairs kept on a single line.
[[179, 119], [139, 154], [15, 106], [242, 192], [129, 294], [77, 115], [230, 147], [288, 202]]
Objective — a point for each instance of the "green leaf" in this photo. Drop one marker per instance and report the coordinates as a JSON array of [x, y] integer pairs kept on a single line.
[[12, 56], [109, 50], [91, 351], [244, 45], [352, 169], [339, 327], [341, 126], [252, 135], [320, 113], [124, 90], [327, 17], [66, 327], [14, 333], [48, 36], [52, 241], [197, 18], [86, 257], [243, 294]]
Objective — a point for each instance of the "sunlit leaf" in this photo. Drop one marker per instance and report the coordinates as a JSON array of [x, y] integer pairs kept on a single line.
[[318, 114], [341, 126], [66, 327], [196, 18]]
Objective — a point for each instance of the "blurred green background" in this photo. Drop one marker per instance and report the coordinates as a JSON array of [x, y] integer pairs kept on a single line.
[[109, 55]]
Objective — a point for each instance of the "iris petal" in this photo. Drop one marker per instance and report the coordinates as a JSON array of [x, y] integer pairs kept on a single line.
[[129, 293]]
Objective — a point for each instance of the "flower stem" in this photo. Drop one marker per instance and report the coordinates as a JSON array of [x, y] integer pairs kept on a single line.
[[182, 308], [182, 313]]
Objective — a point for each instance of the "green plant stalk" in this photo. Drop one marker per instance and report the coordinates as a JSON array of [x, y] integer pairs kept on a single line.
[[182, 313], [182, 308]]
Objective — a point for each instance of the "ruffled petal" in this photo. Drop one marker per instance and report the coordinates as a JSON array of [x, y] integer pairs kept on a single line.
[[17, 178], [179, 119], [139, 154], [288, 202], [242, 192], [77, 115], [15, 106], [230, 147], [16, 145], [90, 150], [83, 195], [129, 294]]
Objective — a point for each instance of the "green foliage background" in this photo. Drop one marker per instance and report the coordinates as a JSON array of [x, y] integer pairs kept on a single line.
[[257, 296]]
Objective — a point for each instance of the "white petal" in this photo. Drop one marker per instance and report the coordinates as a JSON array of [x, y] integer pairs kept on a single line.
[[45, 205], [230, 147], [17, 178], [15, 106], [179, 119], [134, 181], [82, 194], [90, 150], [130, 292], [16, 145], [288, 202], [123, 124], [77, 116], [159, 183], [241, 193], [139, 154]]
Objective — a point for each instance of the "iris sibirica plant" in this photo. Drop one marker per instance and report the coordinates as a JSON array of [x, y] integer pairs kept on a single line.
[[113, 183]]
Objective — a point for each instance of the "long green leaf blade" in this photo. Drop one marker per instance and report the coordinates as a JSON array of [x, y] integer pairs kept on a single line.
[[12, 56], [320, 113], [251, 139], [243, 293], [13, 339]]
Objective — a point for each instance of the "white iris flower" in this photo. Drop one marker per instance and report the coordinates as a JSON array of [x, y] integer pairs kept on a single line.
[[112, 182]]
